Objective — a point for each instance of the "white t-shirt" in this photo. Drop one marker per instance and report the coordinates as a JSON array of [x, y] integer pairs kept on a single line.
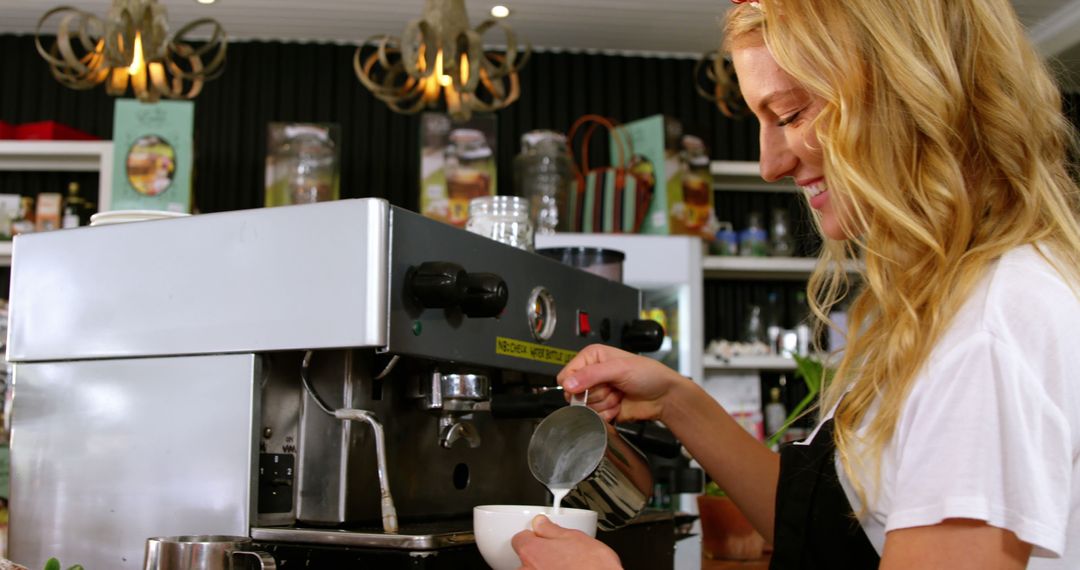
[[991, 429]]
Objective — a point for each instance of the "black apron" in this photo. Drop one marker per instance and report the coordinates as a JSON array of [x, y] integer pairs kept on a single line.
[[815, 525]]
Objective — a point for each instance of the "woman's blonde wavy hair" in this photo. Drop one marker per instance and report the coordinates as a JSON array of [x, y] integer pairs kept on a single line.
[[943, 131]]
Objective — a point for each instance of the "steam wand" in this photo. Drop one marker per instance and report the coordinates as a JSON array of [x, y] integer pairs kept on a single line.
[[389, 513]]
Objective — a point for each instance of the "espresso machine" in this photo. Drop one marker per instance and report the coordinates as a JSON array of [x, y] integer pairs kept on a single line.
[[342, 382]]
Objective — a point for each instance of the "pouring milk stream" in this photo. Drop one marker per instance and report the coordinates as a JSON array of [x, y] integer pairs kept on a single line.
[[565, 449]]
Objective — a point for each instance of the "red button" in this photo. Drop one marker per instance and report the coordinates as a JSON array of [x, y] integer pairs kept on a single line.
[[583, 327]]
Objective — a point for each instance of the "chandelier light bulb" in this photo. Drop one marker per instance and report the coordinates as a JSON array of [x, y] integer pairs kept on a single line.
[[137, 59], [412, 72], [131, 46], [715, 81], [499, 11]]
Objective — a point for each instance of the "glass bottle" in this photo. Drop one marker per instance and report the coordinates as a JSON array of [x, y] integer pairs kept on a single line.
[[753, 327], [74, 206], [803, 330], [6, 218], [773, 330], [504, 219], [726, 241], [753, 241], [775, 412], [781, 244], [468, 172], [24, 222], [696, 183], [543, 174]]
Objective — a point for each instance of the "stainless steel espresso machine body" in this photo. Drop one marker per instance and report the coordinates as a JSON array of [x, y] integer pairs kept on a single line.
[[170, 379]]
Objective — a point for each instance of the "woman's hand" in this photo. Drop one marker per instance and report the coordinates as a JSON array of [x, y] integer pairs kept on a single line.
[[622, 386], [550, 546]]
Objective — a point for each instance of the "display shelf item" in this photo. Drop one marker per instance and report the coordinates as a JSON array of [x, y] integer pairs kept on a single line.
[[730, 175], [764, 362]]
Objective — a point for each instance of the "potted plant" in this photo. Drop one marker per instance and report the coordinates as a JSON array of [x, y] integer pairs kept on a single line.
[[726, 534], [54, 564]]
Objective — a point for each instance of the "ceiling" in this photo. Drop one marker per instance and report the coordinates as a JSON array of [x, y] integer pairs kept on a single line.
[[681, 28]]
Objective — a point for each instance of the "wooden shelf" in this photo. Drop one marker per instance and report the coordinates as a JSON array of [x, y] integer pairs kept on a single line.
[[745, 176]]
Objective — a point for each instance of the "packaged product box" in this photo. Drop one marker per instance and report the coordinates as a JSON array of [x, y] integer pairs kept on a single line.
[[457, 164], [740, 395], [645, 189], [9, 211], [682, 197], [47, 216], [152, 156]]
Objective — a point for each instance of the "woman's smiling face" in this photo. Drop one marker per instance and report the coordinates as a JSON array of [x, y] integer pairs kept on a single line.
[[789, 145]]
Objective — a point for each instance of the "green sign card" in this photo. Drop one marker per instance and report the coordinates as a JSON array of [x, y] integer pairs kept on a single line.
[[152, 155]]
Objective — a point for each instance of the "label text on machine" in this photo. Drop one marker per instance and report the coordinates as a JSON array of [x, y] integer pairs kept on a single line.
[[532, 351]]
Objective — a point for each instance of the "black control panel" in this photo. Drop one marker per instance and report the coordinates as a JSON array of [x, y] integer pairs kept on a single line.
[[277, 474]]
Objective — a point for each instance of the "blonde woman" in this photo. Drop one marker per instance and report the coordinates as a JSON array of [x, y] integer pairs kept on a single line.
[[929, 140]]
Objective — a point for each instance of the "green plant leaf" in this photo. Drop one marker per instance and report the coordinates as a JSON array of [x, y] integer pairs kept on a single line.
[[76, 567], [52, 564], [812, 371], [714, 490]]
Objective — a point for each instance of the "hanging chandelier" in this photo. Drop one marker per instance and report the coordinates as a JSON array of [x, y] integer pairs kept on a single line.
[[439, 60], [131, 46], [715, 80]]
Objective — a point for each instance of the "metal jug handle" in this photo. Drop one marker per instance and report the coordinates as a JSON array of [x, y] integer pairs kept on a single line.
[[266, 562], [584, 398]]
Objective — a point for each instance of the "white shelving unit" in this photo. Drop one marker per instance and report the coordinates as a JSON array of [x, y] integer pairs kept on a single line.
[[724, 267], [746, 176], [59, 156], [735, 363], [668, 271]]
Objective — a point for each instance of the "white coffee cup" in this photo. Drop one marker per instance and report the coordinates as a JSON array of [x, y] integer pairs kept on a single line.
[[495, 526]]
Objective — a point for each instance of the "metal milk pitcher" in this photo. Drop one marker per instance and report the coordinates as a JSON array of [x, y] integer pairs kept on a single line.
[[205, 552], [574, 448]]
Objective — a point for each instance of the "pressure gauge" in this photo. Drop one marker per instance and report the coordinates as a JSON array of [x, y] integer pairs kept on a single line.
[[541, 314]]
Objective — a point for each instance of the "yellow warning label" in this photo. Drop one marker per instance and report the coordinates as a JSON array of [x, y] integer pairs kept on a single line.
[[532, 351]]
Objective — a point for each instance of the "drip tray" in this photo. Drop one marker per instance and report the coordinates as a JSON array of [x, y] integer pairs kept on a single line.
[[415, 536]]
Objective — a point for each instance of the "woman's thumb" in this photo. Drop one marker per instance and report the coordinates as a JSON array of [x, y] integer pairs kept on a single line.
[[611, 371], [544, 528]]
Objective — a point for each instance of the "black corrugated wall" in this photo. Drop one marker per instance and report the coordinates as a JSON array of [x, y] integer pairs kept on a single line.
[[273, 81], [270, 81]]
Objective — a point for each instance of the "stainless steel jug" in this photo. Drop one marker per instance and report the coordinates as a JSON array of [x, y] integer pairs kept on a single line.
[[574, 448], [205, 552]]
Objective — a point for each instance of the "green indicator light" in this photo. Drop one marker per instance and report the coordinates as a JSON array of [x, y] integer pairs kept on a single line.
[[417, 328]]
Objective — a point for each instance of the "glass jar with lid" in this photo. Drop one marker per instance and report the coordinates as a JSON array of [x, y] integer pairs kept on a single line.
[[543, 174], [303, 166], [468, 172], [504, 219], [696, 182]]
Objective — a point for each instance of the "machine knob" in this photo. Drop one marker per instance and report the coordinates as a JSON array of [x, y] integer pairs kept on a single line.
[[438, 284], [485, 295], [642, 335]]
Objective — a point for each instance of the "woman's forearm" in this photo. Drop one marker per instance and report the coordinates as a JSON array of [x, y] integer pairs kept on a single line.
[[743, 467]]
